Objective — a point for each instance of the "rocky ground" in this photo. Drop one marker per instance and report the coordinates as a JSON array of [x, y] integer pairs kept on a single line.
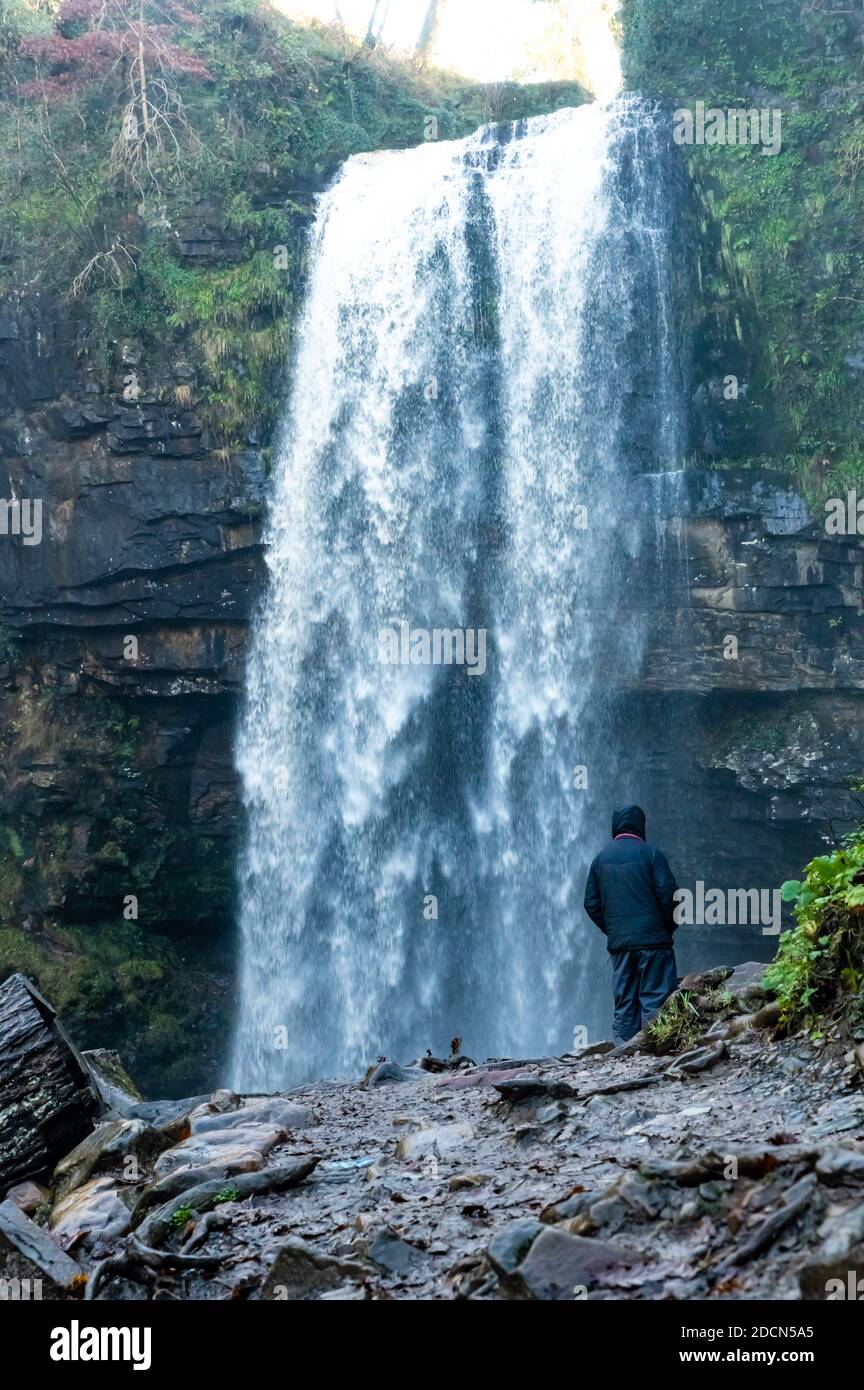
[[731, 1170]]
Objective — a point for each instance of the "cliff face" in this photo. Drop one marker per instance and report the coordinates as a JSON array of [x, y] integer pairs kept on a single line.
[[126, 630], [752, 689]]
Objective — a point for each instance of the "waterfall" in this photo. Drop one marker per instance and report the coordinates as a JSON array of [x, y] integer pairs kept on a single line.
[[485, 361]]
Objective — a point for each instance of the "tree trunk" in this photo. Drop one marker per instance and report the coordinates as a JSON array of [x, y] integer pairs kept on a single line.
[[430, 28], [48, 1103], [142, 71], [371, 35]]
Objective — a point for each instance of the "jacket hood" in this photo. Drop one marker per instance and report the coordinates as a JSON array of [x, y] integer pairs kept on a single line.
[[628, 820]]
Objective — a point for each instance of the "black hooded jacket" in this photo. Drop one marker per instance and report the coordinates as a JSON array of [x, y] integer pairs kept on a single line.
[[630, 890]]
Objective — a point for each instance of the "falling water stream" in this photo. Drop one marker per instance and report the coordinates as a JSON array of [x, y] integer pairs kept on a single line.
[[486, 361]]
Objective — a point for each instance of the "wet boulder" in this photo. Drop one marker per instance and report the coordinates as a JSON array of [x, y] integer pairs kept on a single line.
[[300, 1272], [95, 1214], [28, 1253], [128, 1147], [266, 1110], [112, 1080]]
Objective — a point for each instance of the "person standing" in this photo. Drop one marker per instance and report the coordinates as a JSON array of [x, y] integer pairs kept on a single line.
[[630, 896]]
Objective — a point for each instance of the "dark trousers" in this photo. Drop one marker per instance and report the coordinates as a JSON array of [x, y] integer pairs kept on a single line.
[[642, 981]]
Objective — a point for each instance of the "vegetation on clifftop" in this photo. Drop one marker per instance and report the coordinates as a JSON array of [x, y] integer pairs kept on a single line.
[[127, 131]]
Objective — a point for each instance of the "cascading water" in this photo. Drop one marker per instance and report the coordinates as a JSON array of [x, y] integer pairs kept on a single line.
[[485, 362]]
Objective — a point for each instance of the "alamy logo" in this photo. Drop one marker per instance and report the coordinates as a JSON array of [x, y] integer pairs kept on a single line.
[[839, 1290], [845, 515], [77, 1343], [20, 1290], [22, 517], [732, 127], [407, 646], [722, 907]]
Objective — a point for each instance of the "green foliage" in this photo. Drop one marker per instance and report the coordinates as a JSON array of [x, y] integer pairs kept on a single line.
[[283, 106], [824, 954], [792, 256], [181, 1217]]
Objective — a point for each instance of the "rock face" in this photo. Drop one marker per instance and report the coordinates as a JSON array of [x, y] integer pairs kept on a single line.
[[122, 636]]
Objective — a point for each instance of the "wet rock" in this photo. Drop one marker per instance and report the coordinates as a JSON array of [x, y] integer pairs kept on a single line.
[[272, 1111], [27, 1196], [610, 1211], [456, 1062], [558, 1264], [201, 1195], [300, 1272], [112, 1080], [481, 1078], [221, 1103], [462, 1181], [643, 1197], [161, 1114], [701, 981], [534, 1088], [745, 984], [390, 1073], [392, 1253], [441, 1140], [94, 1214], [553, 1113], [698, 1059], [240, 1149], [28, 1252], [128, 1144], [565, 1208], [509, 1246], [840, 1166], [597, 1049]]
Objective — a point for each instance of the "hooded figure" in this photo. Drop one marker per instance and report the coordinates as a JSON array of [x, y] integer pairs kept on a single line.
[[630, 896]]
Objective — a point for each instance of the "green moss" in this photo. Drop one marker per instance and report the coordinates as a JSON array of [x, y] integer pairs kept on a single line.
[[790, 259], [119, 986]]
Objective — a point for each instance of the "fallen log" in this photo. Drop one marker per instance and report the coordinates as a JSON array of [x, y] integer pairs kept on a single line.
[[48, 1102]]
